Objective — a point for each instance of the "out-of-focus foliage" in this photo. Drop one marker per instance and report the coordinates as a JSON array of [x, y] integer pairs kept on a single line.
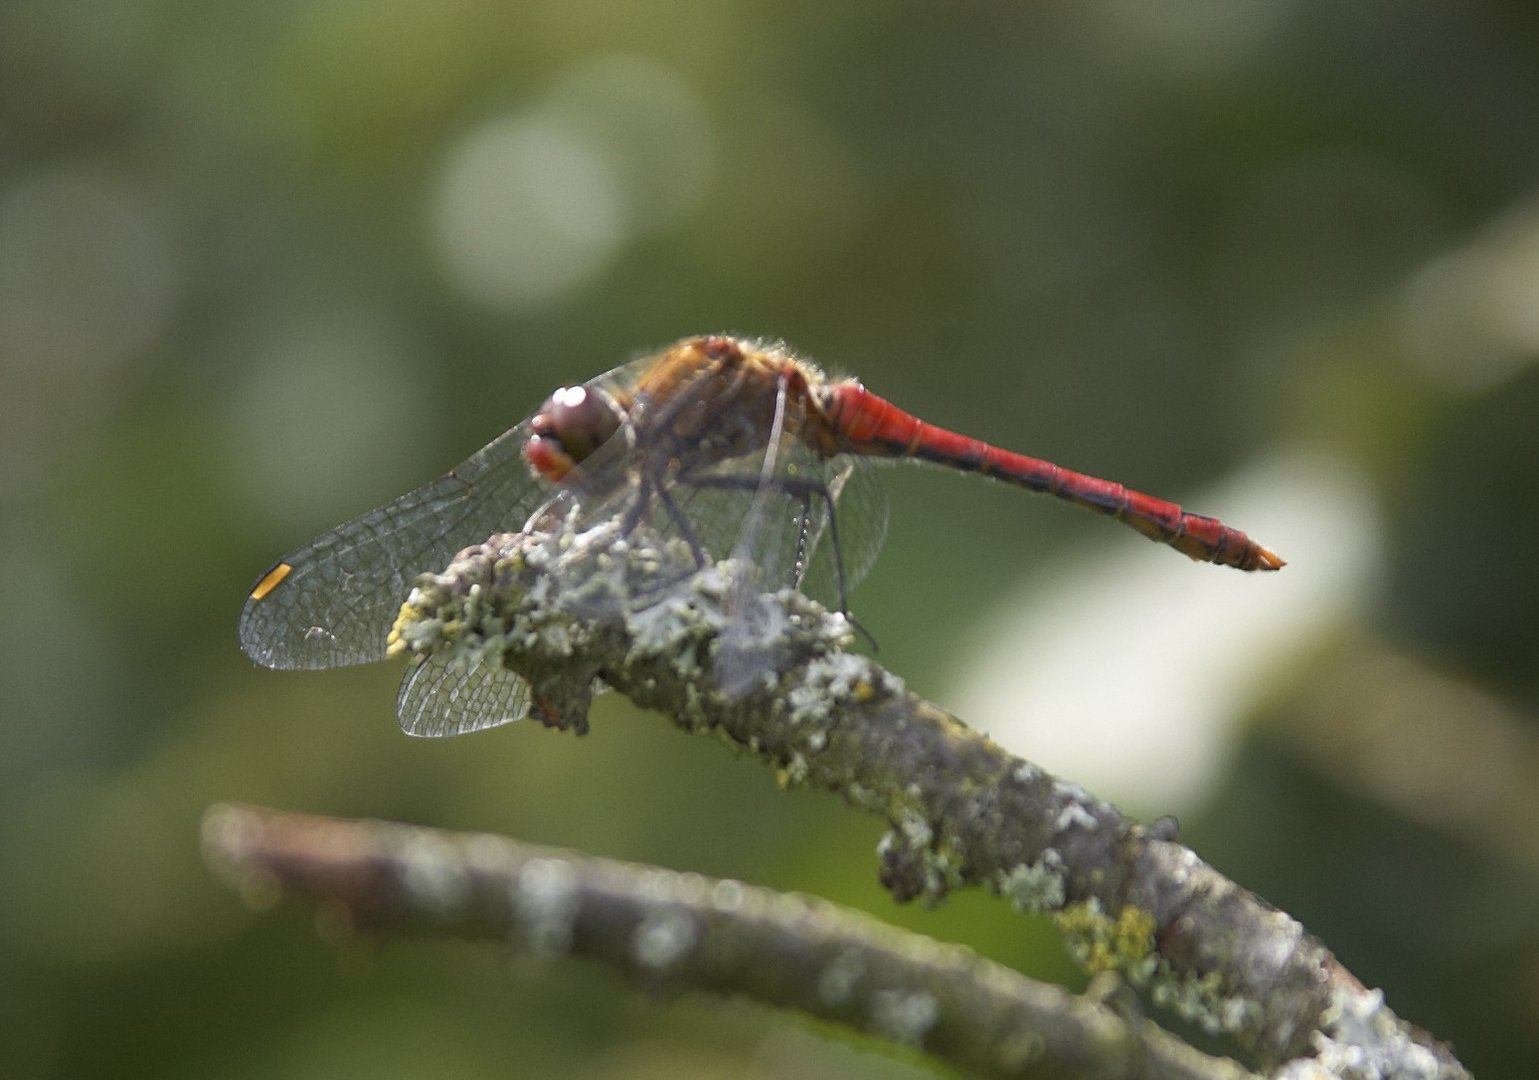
[[263, 266]]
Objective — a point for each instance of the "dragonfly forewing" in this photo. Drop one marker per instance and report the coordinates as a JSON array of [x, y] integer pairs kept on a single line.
[[336, 602]]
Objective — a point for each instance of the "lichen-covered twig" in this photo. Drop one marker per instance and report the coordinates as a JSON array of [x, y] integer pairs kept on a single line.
[[568, 610], [677, 932]]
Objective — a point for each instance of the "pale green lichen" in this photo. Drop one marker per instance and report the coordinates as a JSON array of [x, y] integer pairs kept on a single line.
[[932, 872], [834, 682], [727, 895], [1125, 944], [1026, 773], [838, 980], [1203, 1000], [1075, 816], [793, 773], [946, 866], [434, 873], [1361, 1039], [1018, 1050], [1035, 886], [546, 897], [904, 1016], [664, 938], [916, 831], [466, 610]]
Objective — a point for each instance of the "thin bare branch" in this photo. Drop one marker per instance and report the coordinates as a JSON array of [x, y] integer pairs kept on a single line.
[[673, 933]]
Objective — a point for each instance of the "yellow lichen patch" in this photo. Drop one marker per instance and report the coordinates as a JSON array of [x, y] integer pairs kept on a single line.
[[1104, 943], [395, 644]]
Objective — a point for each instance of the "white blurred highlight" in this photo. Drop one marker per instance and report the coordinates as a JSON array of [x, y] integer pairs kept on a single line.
[[527, 212], [1471, 317], [1129, 674], [325, 407], [1206, 38], [87, 278], [90, 280], [535, 205]]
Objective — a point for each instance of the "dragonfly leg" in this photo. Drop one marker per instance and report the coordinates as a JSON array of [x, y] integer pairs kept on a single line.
[[803, 534], [638, 508], [804, 489], [681, 519], [646, 488]]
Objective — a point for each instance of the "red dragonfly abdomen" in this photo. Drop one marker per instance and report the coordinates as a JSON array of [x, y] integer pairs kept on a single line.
[[864, 423]]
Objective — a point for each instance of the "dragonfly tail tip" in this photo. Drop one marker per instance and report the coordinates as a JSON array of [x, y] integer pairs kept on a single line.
[[1265, 559]]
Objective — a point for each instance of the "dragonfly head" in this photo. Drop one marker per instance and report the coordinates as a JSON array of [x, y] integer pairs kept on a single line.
[[573, 423]]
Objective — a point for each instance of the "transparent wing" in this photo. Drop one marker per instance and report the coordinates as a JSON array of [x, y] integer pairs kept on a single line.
[[441, 697], [851, 541], [811, 522], [332, 602], [814, 524]]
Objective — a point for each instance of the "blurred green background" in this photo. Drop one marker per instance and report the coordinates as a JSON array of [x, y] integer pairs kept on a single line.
[[265, 266]]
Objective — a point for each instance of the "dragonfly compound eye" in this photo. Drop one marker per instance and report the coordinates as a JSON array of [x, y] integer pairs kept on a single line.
[[569, 427]]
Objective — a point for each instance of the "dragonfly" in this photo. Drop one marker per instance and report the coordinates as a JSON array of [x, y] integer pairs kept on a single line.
[[733, 447]]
